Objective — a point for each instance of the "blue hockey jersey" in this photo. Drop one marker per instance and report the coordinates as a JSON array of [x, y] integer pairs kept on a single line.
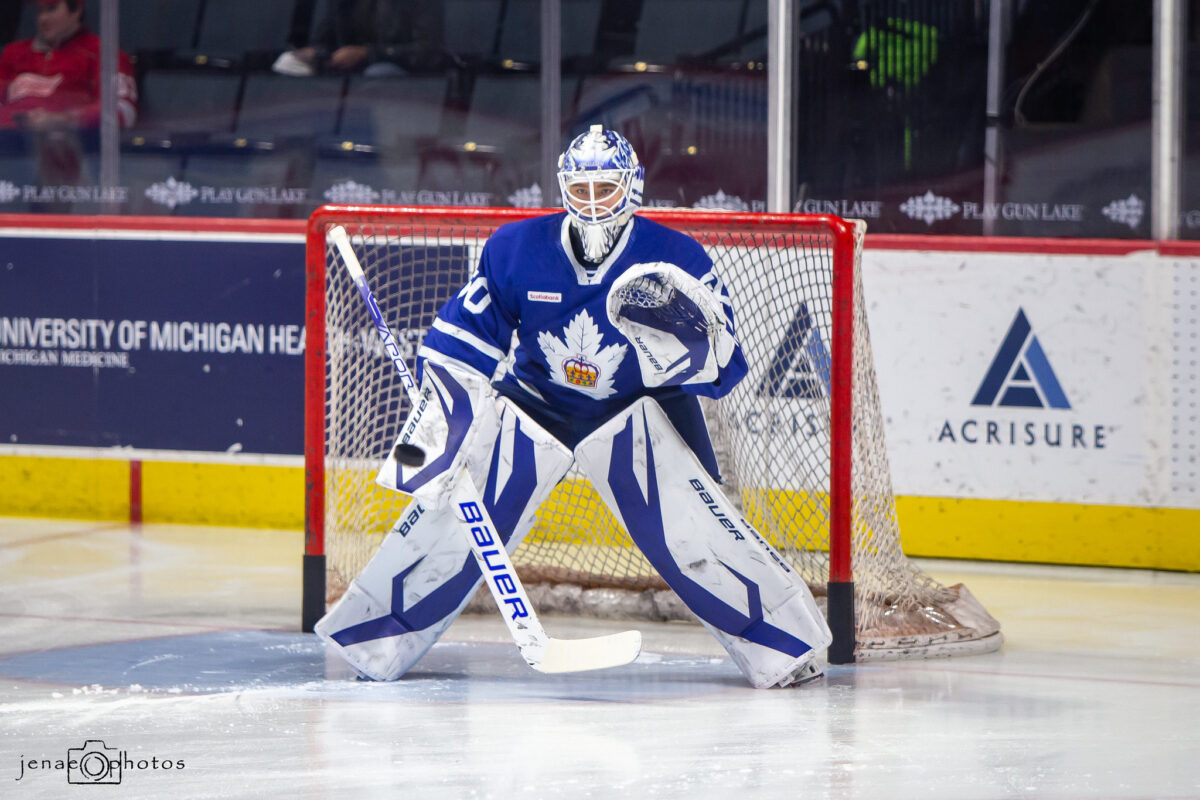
[[568, 362]]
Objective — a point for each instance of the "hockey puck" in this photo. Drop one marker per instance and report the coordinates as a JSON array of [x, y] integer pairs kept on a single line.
[[409, 455]]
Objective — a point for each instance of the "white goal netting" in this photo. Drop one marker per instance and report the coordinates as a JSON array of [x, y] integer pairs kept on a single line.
[[775, 434]]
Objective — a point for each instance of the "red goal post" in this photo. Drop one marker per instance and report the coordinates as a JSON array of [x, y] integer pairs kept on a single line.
[[800, 440]]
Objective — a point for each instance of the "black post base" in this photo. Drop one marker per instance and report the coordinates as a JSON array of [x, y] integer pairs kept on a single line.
[[840, 615], [312, 602]]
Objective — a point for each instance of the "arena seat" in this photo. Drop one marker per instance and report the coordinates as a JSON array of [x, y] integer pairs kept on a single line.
[[184, 101], [669, 29], [504, 108], [520, 29], [470, 27], [387, 111], [278, 106], [156, 25], [242, 30]]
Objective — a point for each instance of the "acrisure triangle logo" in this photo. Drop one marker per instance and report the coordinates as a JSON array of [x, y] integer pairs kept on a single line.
[[800, 367], [1020, 375]]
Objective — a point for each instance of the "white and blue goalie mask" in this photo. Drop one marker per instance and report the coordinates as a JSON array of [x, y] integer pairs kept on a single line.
[[601, 184]]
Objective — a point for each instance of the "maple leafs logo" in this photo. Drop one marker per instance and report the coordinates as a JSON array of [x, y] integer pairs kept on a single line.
[[578, 361]]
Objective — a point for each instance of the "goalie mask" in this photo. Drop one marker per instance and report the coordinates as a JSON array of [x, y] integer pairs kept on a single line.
[[601, 183]]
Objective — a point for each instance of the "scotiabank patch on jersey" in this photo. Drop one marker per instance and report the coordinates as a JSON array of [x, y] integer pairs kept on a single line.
[[545, 297], [579, 361]]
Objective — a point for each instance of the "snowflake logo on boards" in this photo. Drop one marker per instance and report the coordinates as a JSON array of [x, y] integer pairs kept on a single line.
[[577, 361], [529, 197], [9, 191], [351, 192], [722, 202], [1126, 212], [171, 193], [929, 208]]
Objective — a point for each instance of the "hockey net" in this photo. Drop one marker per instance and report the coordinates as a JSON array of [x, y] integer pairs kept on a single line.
[[800, 440]]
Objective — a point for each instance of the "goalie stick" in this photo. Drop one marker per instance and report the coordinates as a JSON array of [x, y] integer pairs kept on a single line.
[[539, 650]]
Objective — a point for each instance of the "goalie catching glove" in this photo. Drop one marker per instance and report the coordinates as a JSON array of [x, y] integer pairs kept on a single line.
[[676, 324]]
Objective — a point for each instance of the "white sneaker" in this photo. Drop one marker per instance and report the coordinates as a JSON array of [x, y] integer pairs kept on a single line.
[[289, 64]]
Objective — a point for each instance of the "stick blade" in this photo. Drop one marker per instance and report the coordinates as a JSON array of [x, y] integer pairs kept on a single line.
[[601, 652]]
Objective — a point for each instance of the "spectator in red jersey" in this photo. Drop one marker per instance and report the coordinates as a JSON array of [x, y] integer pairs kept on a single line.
[[53, 80]]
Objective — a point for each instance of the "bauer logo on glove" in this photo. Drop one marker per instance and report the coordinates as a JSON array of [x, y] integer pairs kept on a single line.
[[676, 324]]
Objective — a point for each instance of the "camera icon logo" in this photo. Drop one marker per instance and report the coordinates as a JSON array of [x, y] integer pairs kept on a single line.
[[94, 762]]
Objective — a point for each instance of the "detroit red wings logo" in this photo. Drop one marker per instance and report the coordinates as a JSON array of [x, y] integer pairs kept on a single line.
[[578, 360], [29, 84]]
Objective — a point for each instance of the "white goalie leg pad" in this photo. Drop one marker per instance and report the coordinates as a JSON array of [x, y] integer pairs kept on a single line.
[[743, 591], [423, 574], [454, 411]]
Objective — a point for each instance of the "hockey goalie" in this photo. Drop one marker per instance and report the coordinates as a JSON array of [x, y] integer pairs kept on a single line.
[[582, 338]]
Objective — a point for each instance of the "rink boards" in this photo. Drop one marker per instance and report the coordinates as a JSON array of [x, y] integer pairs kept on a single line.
[[1036, 401]]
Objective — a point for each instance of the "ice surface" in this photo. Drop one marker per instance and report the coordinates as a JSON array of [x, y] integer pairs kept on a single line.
[[180, 644]]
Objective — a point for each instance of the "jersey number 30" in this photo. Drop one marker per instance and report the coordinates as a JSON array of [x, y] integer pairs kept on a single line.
[[475, 297]]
